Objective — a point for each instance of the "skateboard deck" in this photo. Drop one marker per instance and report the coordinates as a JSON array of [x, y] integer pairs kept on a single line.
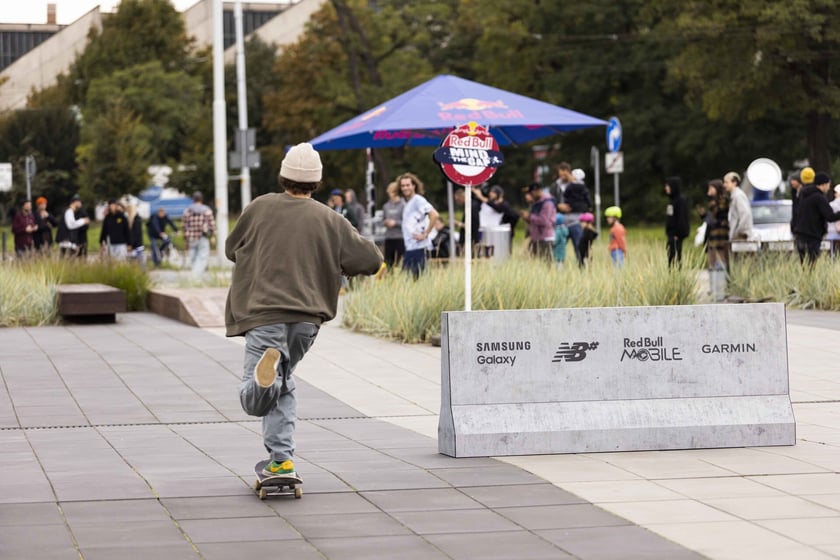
[[279, 485]]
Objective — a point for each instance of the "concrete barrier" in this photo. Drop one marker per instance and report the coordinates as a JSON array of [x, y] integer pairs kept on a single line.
[[614, 379]]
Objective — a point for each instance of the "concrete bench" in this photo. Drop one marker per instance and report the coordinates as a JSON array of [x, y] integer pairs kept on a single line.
[[90, 302]]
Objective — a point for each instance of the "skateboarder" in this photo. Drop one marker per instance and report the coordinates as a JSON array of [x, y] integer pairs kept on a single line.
[[290, 253]]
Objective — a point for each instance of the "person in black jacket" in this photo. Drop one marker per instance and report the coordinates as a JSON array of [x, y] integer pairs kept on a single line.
[[135, 235], [814, 215], [113, 240], [495, 199], [46, 223], [676, 220], [572, 200], [158, 238]]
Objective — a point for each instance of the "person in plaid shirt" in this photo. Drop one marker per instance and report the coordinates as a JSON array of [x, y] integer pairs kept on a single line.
[[199, 228]]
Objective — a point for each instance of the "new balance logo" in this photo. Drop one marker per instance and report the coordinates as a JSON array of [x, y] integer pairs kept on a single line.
[[573, 351]]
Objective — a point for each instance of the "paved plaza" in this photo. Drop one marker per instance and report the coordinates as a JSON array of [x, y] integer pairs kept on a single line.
[[127, 441]]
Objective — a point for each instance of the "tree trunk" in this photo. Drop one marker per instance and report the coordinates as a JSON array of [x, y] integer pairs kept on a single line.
[[818, 133]]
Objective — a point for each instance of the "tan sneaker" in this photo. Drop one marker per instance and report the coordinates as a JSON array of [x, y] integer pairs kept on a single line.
[[266, 371]]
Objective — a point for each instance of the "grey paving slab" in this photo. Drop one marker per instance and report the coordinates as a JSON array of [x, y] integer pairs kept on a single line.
[[260, 550], [114, 511], [510, 545], [21, 491], [454, 521], [542, 494], [140, 552], [556, 517], [385, 548], [36, 541], [191, 487], [216, 507], [39, 550], [618, 543], [421, 500], [429, 458], [15, 515], [499, 474], [271, 528], [343, 525], [136, 533], [144, 447], [344, 503], [810, 318], [391, 480]]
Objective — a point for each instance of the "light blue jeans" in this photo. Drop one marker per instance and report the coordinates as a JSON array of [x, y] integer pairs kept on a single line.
[[617, 257], [199, 255], [276, 405]]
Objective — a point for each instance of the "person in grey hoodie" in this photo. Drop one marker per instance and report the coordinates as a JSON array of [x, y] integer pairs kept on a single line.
[[740, 213]]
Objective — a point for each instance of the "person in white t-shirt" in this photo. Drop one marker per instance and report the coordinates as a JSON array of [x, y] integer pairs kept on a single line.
[[417, 223]]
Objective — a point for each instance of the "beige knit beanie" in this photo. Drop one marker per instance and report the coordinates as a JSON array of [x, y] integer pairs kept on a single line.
[[302, 164]]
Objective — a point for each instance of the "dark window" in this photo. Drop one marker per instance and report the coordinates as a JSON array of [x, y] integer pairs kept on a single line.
[[250, 22], [15, 44]]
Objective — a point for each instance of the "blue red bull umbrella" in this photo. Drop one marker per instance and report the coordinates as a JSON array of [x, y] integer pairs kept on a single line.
[[423, 116]]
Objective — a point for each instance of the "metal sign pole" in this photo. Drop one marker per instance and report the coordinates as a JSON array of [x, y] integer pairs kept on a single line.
[[615, 186], [30, 172], [451, 202], [468, 249], [370, 193], [595, 161], [242, 99], [219, 133]]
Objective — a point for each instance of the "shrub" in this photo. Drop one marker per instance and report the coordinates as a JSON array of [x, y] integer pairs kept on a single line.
[[28, 288], [779, 276], [399, 307], [27, 295]]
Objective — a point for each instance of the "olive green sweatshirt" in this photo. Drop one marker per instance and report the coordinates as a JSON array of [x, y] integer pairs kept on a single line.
[[289, 255]]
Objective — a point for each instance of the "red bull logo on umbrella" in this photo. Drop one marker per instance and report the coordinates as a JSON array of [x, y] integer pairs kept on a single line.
[[471, 104], [469, 108]]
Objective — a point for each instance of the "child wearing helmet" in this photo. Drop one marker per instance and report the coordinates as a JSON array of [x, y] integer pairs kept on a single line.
[[587, 222], [618, 236]]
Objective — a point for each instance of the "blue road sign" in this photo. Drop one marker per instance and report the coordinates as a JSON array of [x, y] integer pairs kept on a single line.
[[613, 134]]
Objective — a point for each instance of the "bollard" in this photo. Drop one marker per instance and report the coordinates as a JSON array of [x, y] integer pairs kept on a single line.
[[3, 257]]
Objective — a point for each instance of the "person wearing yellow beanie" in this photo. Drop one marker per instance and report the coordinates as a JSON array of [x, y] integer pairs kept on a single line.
[[806, 177]]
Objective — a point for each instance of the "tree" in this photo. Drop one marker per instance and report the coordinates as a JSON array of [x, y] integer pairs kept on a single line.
[[50, 134], [114, 154], [140, 31], [168, 102], [747, 58]]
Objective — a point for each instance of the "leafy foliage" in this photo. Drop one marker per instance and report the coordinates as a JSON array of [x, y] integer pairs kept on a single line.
[[140, 31], [49, 134], [746, 58], [114, 154], [701, 89]]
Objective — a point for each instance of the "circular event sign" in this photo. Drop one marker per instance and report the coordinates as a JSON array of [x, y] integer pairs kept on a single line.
[[469, 155]]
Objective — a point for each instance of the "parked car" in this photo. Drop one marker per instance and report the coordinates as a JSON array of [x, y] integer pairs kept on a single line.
[[771, 227]]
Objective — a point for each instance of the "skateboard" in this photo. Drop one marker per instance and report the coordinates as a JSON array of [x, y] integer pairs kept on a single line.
[[275, 485]]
